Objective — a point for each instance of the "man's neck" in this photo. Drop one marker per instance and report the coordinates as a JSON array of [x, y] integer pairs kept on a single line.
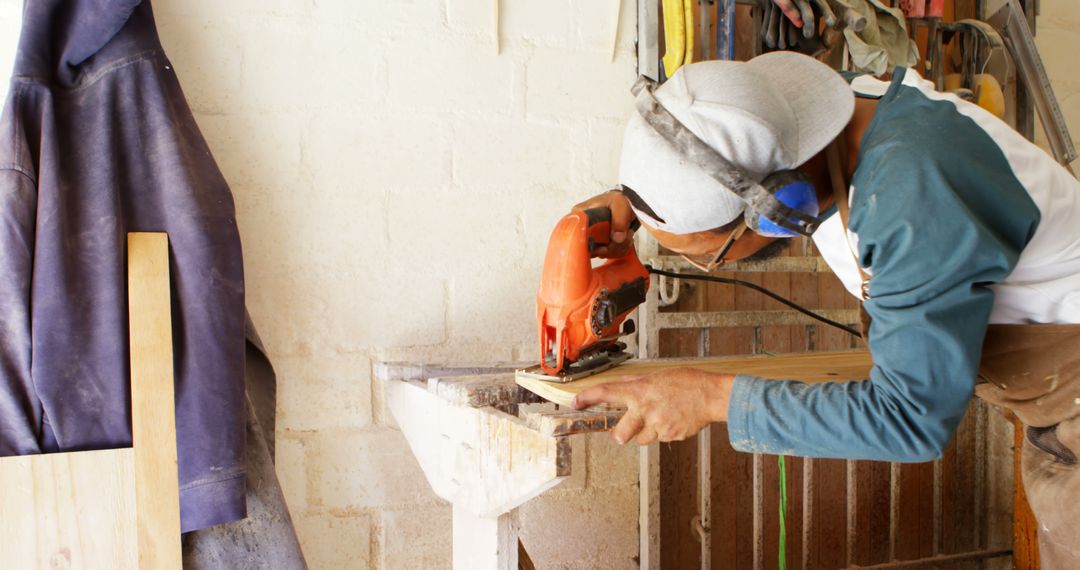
[[851, 138], [853, 133]]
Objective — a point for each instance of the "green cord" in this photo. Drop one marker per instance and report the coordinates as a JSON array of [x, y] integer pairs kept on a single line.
[[783, 511]]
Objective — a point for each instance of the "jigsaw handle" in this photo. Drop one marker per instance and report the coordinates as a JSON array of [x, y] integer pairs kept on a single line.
[[599, 230]]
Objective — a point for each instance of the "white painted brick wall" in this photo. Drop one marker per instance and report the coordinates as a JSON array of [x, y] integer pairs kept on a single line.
[[396, 182]]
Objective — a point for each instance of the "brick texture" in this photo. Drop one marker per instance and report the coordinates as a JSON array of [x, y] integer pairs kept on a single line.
[[396, 181]]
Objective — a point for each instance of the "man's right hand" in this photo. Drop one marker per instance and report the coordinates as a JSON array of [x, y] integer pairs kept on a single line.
[[621, 218]]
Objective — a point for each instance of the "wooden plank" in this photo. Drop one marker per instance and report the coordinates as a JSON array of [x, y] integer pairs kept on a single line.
[[153, 421], [679, 465], [743, 482], [1025, 527], [784, 263], [68, 510], [568, 422], [478, 391], [879, 511], [731, 341], [950, 512], [965, 490], [398, 370], [678, 341], [925, 484], [804, 291], [724, 498], [830, 516], [833, 301], [860, 511], [777, 339], [810, 367], [907, 536], [678, 496]]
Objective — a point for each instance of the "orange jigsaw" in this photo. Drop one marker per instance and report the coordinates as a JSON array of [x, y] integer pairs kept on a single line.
[[581, 309]]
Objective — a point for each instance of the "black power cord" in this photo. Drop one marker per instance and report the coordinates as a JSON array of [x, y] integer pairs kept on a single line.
[[759, 289]]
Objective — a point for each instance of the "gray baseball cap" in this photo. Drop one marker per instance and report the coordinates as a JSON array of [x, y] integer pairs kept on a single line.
[[771, 113]]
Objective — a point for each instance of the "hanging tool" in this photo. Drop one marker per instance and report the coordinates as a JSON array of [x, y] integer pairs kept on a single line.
[[725, 30], [979, 52], [648, 31], [678, 35], [705, 22], [779, 29], [580, 309], [1021, 45], [688, 15]]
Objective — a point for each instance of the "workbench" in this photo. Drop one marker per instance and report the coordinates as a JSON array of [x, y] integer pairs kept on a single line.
[[486, 445]]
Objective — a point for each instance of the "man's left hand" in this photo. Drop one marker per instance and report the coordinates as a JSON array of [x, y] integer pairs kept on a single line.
[[669, 405]]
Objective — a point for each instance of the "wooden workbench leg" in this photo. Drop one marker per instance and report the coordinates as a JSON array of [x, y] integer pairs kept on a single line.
[[649, 506], [482, 543]]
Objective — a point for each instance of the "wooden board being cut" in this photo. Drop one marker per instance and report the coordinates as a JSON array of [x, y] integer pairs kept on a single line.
[[810, 367]]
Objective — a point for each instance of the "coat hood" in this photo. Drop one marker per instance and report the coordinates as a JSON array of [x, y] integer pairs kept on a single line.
[[63, 42]]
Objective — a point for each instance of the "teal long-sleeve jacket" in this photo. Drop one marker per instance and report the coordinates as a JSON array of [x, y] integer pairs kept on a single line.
[[940, 216]]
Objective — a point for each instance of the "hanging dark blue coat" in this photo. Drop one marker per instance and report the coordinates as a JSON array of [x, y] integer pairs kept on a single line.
[[96, 140]]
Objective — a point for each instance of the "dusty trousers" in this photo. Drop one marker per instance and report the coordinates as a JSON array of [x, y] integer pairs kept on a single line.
[[1034, 371]]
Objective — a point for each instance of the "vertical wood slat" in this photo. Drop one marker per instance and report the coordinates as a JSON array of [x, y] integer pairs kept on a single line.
[[979, 511], [894, 509], [880, 513], [808, 513], [924, 519], [725, 494], [153, 423], [770, 509], [965, 489], [680, 543], [705, 471], [948, 500], [860, 512], [704, 517], [744, 511], [830, 513], [852, 511], [938, 525], [759, 511], [1025, 527]]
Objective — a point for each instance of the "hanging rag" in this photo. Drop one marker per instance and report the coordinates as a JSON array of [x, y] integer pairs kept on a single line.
[[883, 44]]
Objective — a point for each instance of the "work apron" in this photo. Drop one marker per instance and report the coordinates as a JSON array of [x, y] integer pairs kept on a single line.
[[1034, 371]]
